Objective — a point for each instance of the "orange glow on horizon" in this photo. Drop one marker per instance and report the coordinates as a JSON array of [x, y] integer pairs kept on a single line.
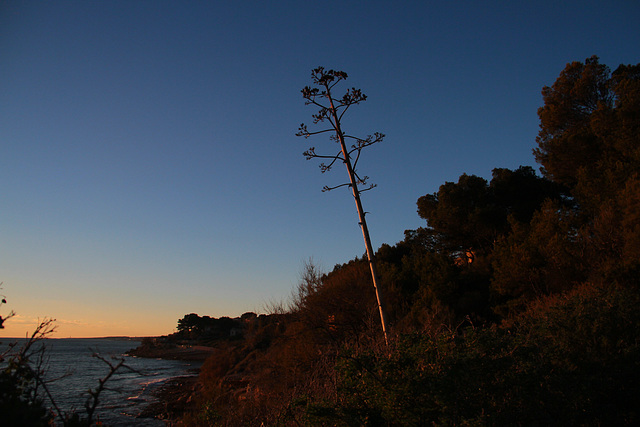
[[23, 327]]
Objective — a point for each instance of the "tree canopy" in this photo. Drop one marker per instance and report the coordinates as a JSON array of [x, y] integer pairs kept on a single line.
[[589, 139], [471, 214]]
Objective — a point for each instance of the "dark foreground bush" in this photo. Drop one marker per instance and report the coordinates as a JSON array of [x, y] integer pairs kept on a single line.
[[570, 360]]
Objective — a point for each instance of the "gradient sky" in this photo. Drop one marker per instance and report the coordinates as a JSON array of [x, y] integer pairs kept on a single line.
[[148, 163]]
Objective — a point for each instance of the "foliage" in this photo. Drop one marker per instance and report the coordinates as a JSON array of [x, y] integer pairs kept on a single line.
[[540, 258], [205, 327], [466, 220], [471, 214], [566, 142], [21, 399], [589, 142], [568, 361]]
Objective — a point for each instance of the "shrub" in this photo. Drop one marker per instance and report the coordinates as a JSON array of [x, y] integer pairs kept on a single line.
[[570, 360]]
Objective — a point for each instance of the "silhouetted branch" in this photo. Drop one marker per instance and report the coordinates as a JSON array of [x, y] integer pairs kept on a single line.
[[94, 395], [352, 96], [355, 162], [370, 187], [327, 188], [303, 131], [3, 300], [311, 154]]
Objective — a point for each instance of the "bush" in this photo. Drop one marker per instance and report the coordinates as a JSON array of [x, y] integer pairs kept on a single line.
[[571, 360], [21, 402]]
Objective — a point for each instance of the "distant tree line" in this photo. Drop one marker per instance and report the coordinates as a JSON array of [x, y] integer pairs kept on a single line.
[[205, 327]]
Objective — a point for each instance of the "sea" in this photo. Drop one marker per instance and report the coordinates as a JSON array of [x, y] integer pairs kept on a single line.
[[73, 370]]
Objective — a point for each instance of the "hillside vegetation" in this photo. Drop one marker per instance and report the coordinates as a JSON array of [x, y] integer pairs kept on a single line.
[[515, 304]]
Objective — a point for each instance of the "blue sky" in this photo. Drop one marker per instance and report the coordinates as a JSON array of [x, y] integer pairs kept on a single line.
[[148, 163]]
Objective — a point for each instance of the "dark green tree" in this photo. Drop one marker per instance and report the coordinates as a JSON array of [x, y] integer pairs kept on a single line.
[[462, 214], [589, 141], [536, 259], [566, 141], [469, 216], [588, 137], [189, 322]]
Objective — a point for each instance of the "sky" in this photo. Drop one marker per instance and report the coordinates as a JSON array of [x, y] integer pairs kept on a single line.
[[149, 166]]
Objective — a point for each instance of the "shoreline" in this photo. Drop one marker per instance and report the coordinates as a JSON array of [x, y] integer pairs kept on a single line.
[[186, 353], [175, 396]]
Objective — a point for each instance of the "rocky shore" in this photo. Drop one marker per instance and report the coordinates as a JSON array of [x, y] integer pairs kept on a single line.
[[176, 396], [189, 353]]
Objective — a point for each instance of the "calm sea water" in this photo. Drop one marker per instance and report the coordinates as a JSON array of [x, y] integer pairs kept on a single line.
[[70, 362]]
